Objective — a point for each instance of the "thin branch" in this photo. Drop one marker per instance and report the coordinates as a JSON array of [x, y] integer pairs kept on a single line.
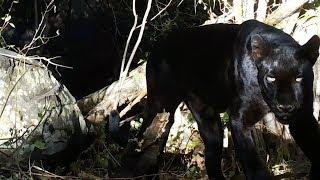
[[158, 14], [44, 40], [112, 157], [126, 49], [129, 119], [39, 174], [39, 58], [129, 37], [16, 138], [5, 23], [124, 73], [144, 21], [134, 102], [29, 163], [46, 172], [180, 3], [5, 154], [41, 27]]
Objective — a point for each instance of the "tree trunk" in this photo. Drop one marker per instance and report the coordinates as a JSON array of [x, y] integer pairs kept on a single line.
[[248, 8], [284, 10], [262, 10], [237, 8], [98, 105]]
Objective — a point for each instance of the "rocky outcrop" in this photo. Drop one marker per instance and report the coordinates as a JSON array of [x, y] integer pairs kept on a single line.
[[38, 115]]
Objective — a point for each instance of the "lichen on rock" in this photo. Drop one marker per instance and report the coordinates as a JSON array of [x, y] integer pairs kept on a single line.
[[36, 111]]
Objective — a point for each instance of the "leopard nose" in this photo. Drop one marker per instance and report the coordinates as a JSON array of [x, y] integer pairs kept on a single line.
[[285, 108]]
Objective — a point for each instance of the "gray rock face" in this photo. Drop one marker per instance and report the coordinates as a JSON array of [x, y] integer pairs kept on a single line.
[[36, 111]]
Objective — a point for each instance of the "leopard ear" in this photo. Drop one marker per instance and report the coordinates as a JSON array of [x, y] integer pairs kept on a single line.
[[257, 47], [310, 50]]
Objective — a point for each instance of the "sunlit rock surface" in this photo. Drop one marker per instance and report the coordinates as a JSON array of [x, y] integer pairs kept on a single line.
[[37, 113]]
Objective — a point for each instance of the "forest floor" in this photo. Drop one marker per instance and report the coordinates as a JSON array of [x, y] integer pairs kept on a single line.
[[183, 158]]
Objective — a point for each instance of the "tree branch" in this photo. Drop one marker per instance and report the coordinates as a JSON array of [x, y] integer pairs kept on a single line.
[[124, 73], [262, 10], [284, 10]]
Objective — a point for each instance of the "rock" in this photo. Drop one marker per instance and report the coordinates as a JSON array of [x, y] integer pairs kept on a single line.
[[38, 115]]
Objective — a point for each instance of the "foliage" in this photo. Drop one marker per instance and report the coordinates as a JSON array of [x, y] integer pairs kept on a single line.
[[225, 118]]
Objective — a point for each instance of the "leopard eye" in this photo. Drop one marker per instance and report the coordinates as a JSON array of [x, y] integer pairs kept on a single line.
[[271, 79], [299, 79]]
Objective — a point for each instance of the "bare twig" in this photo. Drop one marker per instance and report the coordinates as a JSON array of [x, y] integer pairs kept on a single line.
[[134, 102], [129, 37], [112, 157], [129, 119], [125, 71], [5, 154], [43, 171], [48, 60], [39, 174], [126, 49], [38, 35], [39, 58], [30, 167], [158, 14], [16, 138], [144, 21], [6, 22]]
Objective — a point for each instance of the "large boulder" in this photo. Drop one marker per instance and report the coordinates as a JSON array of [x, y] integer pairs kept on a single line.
[[38, 116]]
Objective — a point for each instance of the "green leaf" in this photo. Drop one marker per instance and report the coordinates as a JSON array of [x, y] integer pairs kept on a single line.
[[40, 144]]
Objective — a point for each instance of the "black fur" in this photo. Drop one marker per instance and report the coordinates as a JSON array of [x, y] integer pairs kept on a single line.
[[247, 70]]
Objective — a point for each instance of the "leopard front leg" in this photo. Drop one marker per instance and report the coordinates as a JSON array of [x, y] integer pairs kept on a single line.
[[306, 132], [241, 123]]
